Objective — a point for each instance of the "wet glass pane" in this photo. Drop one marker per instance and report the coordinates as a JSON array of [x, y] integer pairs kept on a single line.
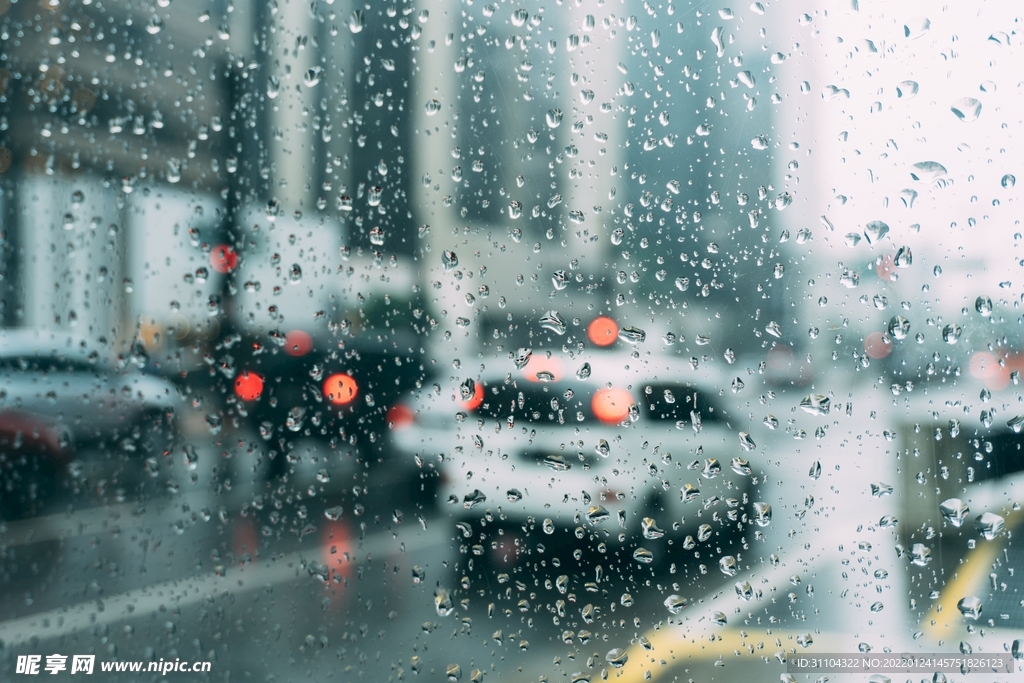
[[580, 340]]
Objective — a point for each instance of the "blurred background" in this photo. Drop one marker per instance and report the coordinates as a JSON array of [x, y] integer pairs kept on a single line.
[[314, 315]]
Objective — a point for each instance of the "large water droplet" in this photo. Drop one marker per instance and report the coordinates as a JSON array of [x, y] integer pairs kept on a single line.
[[1008, 181], [643, 556], [443, 602], [875, 231], [989, 525], [432, 107], [906, 89], [633, 335], [970, 607], [916, 27], [954, 510], [927, 171], [899, 327], [522, 357], [597, 514], [983, 305], [356, 21], [966, 109], [449, 259], [675, 603], [951, 333], [746, 443], [762, 514], [727, 565], [816, 404], [650, 529], [617, 657], [554, 118], [553, 321]]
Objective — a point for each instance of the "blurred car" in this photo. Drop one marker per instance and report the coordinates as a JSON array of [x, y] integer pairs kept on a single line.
[[33, 450], [60, 395], [610, 447], [324, 341]]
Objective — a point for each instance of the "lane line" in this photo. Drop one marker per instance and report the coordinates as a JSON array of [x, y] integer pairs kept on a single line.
[[192, 591]]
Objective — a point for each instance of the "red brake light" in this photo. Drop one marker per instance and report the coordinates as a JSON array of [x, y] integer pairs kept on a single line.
[[248, 386], [223, 258], [400, 416], [474, 401], [611, 406], [298, 343], [603, 331], [340, 389]]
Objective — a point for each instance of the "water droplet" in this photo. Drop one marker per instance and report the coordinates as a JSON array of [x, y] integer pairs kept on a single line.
[[744, 590], [983, 305], [519, 17], [716, 40], [560, 279], [704, 532], [514, 495], [927, 171], [554, 118], [558, 463], [727, 565], [597, 514], [443, 602], [966, 109], [333, 513], [904, 258], [989, 525], [449, 259], [295, 274], [920, 554], [906, 89], [970, 607], [650, 529], [617, 235], [1016, 424], [356, 21], [816, 404], [773, 329], [376, 236], [762, 514], [273, 87], [584, 371], [155, 25], [746, 443], [617, 657], [954, 510], [633, 335], [643, 556], [549, 528], [471, 500], [432, 107], [675, 603], [916, 27], [602, 448], [951, 333], [554, 322], [1008, 181], [875, 231], [899, 327]]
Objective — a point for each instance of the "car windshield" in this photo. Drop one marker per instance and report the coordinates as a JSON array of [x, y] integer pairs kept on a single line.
[[546, 341]]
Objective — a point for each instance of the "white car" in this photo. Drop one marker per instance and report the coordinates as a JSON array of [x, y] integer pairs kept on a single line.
[[620, 448]]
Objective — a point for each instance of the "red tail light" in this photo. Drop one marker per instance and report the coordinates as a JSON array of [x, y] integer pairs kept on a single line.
[[298, 343], [340, 389], [611, 406], [474, 401], [223, 258], [400, 416], [603, 331], [248, 386]]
